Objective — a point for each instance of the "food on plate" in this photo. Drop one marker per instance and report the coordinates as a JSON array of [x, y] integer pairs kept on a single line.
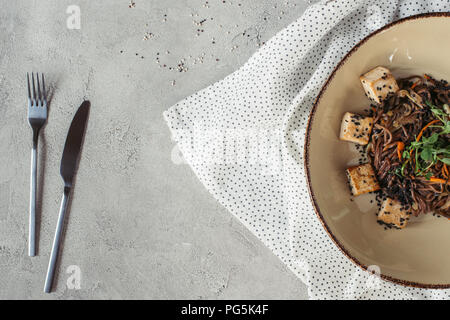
[[393, 213], [362, 179], [407, 133], [378, 84], [356, 128]]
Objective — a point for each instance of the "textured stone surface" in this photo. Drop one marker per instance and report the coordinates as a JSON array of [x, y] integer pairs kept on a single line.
[[140, 226]]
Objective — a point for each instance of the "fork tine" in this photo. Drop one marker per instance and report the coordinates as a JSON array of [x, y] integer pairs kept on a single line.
[[38, 89], [28, 83], [44, 96], [34, 89]]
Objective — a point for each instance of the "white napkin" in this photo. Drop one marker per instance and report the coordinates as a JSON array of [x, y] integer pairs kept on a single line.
[[243, 137]]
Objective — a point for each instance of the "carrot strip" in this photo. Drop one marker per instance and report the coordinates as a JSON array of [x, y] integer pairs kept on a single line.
[[400, 148], [445, 171], [414, 85], [424, 128], [433, 179], [426, 77], [422, 131]]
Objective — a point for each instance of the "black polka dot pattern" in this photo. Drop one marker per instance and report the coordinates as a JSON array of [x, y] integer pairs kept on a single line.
[[271, 97]]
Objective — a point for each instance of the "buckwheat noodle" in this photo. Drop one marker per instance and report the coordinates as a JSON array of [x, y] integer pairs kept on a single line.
[[398, 121]]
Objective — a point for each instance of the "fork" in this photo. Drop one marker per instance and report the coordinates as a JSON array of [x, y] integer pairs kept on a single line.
[[37, 116]]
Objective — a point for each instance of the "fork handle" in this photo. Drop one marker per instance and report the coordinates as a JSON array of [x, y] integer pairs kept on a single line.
[[56, 241], [32, 218]]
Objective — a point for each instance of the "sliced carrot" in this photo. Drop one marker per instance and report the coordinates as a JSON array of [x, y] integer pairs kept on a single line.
[[400, 148], [415, 84], [427, 77], [424, 128], [433, 179], [444, 171]]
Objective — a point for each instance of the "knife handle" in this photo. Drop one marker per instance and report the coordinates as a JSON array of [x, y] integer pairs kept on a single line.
[[32, 217], [56, 241]]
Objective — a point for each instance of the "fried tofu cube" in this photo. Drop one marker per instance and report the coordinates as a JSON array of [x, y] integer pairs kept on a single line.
[[378, 83], [356, 128], [393, 214], [362, 179]]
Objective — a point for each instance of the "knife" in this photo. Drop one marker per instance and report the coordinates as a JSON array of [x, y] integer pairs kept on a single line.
[[69, 164]]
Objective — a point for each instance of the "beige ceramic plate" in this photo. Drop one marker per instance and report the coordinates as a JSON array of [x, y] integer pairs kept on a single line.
[[418, 255]]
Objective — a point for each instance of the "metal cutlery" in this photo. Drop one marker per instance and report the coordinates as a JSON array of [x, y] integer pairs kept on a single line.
[[37, 116], [69, 164]]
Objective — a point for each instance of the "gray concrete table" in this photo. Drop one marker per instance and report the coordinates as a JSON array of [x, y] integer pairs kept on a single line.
[[140, 226]]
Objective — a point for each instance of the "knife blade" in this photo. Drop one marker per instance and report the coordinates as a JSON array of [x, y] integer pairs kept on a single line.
[[74, 142], [69, 166]]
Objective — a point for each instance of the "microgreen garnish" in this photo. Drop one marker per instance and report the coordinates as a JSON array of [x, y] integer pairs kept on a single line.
[[428, 150]]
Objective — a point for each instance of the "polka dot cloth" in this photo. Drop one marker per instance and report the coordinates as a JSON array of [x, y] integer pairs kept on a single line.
[[243, 137]]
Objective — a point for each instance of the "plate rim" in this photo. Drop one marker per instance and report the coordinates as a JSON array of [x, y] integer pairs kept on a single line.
[[341, 247]]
